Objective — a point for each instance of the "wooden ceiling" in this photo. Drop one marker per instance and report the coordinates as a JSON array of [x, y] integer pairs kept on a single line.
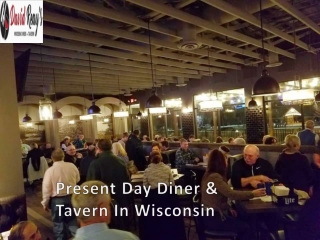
[[115, 34]]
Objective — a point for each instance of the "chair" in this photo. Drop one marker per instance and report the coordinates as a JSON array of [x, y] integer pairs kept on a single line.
[[186, 199], [203, 234]]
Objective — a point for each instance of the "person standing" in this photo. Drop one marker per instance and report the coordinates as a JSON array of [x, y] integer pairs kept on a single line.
[[124, 139], [110, 169], [307, 136], [135, 150], [67, 174]]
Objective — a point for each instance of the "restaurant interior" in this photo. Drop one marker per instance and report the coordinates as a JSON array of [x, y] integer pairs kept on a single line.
[[213, 72]]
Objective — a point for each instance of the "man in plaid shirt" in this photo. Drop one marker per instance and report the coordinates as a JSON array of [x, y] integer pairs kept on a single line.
[[184, 156]]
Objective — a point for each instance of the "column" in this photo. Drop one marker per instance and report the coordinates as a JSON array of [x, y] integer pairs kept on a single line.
[[11, 184], [187, 124], [215, 125], [55, 129], [94, 126]]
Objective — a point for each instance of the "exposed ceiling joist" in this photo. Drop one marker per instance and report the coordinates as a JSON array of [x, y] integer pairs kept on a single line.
[[95, 58], [111, 67], [111, 14], [286, 6], [105, 52], [226, 7], [68, 21], [186, 17], [134, 48]]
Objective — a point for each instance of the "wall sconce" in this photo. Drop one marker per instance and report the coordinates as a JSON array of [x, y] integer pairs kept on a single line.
[[86, 117], [29, 124], [187, 110], [71, 122], [158, 110], [121, 114]]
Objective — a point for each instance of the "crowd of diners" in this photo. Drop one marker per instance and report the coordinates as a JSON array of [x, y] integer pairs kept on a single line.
[[107, 163]]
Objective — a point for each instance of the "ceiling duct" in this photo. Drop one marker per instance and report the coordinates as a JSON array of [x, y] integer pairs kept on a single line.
[[188, 33], [180, 82], [273, 60]]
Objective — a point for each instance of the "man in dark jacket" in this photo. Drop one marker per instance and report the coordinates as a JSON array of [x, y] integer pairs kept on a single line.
[[135, 151], [251, 170], [109, 169]]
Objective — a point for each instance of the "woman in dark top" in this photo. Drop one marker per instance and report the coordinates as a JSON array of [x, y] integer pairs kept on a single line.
[[156, 147], [293, 167]]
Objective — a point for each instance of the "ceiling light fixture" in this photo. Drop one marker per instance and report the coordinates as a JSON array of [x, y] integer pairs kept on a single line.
[[265, 85], [93, 110], [153, 101], [298, 96], [45, 108], [56, 114], [252, 103], [292, 112], [26, 119]]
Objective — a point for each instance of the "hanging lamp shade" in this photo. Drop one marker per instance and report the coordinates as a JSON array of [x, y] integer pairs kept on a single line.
[[26, 118], [57, 114], [94, 109], [139, 114], [265, 85], [153, 101], [252, 104], [45, 109]]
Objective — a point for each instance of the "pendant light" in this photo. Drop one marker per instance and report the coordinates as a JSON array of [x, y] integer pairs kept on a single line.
[[298, 96], [93, 110], [56, 114], [139, 114], [45, 107], [26, 118], [252, 103], [265, 85], [212, 103], [120, 113], [153, 101]]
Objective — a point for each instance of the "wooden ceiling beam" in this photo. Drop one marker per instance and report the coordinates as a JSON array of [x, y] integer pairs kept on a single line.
[[197, 21]]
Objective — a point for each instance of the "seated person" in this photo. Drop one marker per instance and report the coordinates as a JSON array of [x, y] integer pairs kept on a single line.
[[185, 156], [225, 218], [270, 141], [156, 147], [80, 142], [165, 146], [94, 225], [157, 172], [24, 230], [251, 170], [239, 141], [65, 143], [119, 151], [72, 156], [48, 150], [293, 167], [25, 148], [316, 174]]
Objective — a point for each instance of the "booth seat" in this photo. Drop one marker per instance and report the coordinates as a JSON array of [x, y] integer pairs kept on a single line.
[[13, 209], [268, 152]]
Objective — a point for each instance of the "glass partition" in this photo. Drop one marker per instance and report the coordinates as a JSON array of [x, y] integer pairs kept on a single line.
[[226, 123], [283, 119]]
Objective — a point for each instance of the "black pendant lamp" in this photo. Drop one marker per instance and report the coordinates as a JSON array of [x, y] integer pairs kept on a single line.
[[56, 114], [26, 118], [265, 85], [93, 110], [139, 114], [252, 104], [153, 101]]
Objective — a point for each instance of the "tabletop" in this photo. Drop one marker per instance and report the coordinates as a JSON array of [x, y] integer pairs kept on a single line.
[[258, 206]]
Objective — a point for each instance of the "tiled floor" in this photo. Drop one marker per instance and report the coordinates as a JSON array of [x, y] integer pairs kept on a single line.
[[43, 219]]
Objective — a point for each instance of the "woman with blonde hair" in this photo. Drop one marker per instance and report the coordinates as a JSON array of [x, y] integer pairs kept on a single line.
[[293, 167], [119, 151]]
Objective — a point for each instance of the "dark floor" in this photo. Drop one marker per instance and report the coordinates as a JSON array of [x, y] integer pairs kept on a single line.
[[43, 219]]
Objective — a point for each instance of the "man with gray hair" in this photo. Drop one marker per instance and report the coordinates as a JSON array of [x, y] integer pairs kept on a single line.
[[307, 136], [251, 169], [94, 225], [63, 173]]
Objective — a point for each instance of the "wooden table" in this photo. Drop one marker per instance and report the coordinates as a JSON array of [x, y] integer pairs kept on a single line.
[[258, 206]]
